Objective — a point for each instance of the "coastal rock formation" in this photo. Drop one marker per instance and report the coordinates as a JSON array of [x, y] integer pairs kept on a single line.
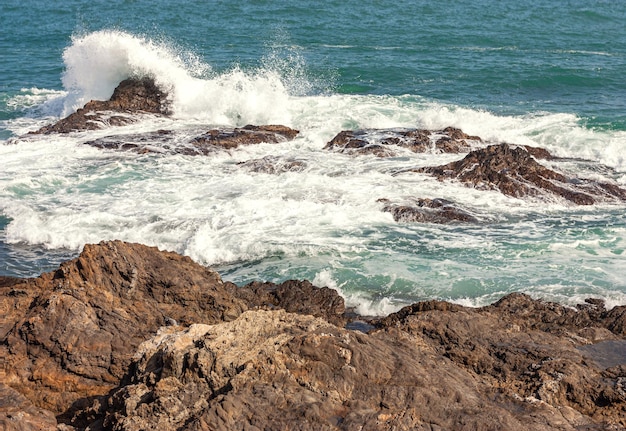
[[132, 96], [515, 172], [71, 333], [232, 138], [126, 337], [380, 142], [168, 142], [425, 210]]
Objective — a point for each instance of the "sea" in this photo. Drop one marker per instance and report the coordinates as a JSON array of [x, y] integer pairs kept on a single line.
[[526, 72]]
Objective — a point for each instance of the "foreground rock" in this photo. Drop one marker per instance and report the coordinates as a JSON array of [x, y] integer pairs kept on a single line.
[[132, 96], [381, 142], [423, 210], [126, 337], [71, 334], [515, 172]]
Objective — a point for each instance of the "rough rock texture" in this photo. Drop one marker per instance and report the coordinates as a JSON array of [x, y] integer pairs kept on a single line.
[[131, 96], [127, 337], [425, 210], [433, 365], [513, 171], [380, 142], [70, 334], [169, 142]]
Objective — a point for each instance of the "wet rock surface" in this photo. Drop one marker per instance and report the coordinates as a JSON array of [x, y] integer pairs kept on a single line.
[[425, 210], [131, 96], [515, 172], [210, 142], [381, 142], [129, 337]]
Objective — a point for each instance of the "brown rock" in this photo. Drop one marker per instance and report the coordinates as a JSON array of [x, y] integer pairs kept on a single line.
[[19, 414], [514, 172], [424, 210], [232, 138], [380, 142], [132, 96], [296, 297], [435, 366]]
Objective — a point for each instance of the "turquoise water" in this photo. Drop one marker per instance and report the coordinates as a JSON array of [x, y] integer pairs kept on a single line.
[[527, 72]]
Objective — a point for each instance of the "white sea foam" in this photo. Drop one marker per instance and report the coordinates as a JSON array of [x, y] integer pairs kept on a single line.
[[60, 193]]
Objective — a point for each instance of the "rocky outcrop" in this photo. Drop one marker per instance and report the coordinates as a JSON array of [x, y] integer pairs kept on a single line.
[[71, 334], [425, 210], [126, 337], [380, 142], [515, 172], [132, 96]]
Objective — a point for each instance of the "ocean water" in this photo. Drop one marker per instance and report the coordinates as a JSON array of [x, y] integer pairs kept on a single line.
[[528, 72]]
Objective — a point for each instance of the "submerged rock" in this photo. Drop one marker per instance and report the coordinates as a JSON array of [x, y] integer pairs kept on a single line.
[[424, 210], [515, 172], [380, 142], [273, 165], [132, 96], [169, 142]]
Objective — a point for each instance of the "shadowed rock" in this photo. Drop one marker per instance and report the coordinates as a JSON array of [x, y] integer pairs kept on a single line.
[[132, 96], [380, 142], [513, 171], [423, 210]]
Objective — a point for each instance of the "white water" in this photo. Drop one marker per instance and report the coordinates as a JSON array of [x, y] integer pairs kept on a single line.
[[323, 223]]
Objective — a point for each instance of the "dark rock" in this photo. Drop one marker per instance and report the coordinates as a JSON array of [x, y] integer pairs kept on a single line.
[[132, 96], [424, 210], [232, 138], [514, 172], [380, 142], [273, 165], [168, 142], [18, 414]]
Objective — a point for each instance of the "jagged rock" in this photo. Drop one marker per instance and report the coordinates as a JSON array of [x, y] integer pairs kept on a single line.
[[528, 348], [380, 142], [273, 165], [424, 210], [513, 171], [132, 96], [70, 334], [135, 338], [434, 365]]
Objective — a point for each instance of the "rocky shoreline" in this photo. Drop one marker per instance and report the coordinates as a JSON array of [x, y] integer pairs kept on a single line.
[[127, 337]]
